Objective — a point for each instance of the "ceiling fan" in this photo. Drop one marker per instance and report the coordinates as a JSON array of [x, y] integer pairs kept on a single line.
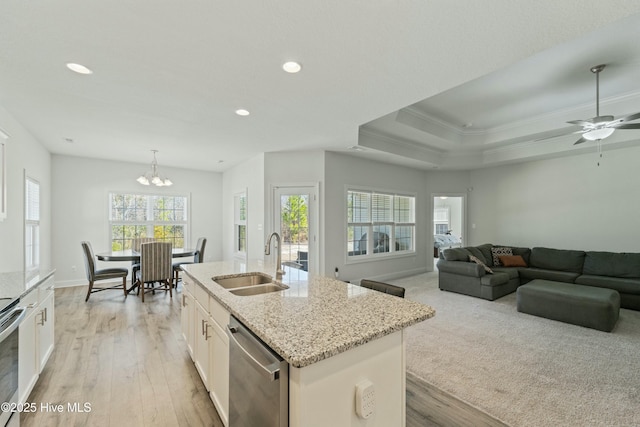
[[601, 127]]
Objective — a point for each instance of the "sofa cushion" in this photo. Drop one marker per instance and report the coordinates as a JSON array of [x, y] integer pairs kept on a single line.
[[512, 261], [525, 253], [456, 254], [622, 285], [626, 265], [480, 263], [497, 251], [476, 252], [557, 259], [509, 271], [495, 279], [527, 274], [485, 250]]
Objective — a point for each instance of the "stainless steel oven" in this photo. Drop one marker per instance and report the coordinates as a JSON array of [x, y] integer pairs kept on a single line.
[[10, 318]]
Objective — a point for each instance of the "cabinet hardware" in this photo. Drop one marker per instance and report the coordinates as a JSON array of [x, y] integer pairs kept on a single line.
[[206, 332], [45, 315], [32, 305], [184, 301], [203, 332], [42, 319]]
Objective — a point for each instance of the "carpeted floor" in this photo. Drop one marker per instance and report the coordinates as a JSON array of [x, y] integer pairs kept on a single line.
[[525, 370]]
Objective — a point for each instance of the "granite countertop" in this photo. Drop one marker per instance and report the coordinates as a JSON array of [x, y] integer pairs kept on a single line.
[[17, 284], [316, 318]]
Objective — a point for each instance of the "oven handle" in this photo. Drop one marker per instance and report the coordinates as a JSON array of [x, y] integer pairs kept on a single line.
[[14, 317]]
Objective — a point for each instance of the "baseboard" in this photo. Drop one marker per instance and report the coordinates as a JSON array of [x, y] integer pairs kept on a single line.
[[400, 274]]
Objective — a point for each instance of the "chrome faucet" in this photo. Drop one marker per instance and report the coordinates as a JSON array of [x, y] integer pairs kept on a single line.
[[267, 251]]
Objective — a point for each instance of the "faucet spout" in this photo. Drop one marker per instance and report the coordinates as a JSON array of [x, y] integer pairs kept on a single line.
[[267, 251]]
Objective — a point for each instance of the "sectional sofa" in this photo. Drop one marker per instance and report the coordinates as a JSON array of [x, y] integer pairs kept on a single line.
[[481, 278]]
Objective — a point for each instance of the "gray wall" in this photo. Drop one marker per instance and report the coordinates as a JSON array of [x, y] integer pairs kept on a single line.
[[24, 154], [80, 207], [568, 202], [345, 170]]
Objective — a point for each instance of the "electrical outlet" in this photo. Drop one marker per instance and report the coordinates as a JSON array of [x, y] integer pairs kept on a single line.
[[365, 399]]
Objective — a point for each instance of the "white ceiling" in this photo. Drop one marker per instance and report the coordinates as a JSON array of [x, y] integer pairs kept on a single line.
[[169, 76]]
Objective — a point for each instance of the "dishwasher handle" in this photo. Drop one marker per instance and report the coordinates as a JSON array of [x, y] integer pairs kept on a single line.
[[271, 371], [10, 322]]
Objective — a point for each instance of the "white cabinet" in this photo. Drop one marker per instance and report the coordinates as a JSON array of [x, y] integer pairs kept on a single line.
[[188, 319], [203, 322], [45, 321], [201, 344], [219, 359], [28, 351], [36, 336]]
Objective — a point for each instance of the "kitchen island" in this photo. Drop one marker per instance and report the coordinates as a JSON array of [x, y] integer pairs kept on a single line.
[[334, 335]]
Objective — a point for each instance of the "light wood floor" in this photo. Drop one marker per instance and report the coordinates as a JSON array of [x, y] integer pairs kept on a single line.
[[126, 359], [129, 361]]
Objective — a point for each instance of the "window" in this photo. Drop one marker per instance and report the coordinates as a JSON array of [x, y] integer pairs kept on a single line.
[[240, 224], [441, 220], [144, 215], [379, 224], [32, 224]]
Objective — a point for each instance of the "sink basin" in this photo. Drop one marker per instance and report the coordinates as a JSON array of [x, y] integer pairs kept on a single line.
[[259, 289], [241, 281]]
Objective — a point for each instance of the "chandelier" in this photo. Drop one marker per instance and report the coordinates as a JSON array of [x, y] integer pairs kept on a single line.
[[152, 176]]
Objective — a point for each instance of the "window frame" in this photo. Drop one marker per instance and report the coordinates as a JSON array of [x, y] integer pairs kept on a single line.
[[370, 224], [148, 224], [32, 225], [239, 222]]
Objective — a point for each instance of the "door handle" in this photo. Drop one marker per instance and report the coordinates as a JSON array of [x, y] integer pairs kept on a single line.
[[268, 371]]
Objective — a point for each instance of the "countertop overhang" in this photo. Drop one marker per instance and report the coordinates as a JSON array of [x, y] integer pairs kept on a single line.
[[316, 318]]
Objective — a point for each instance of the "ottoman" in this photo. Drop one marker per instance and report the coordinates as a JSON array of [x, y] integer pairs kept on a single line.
[[588, 306]]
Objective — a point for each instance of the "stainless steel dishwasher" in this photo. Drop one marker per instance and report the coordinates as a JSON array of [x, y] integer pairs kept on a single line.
[[258, 381]]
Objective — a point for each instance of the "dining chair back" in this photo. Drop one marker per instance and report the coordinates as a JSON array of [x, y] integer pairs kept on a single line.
[[198, 257], [94, 274], [155, 267], [135, 246], [383, 287]]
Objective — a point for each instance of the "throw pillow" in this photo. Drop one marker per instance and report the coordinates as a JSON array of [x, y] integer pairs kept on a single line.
[[496, 251], [477, 261], [512, 261]]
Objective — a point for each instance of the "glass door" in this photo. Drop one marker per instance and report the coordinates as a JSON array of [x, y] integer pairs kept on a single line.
[[293, 214]]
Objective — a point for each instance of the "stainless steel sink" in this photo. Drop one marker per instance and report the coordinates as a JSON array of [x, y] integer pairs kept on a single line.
[[259, 289], [242, 281]]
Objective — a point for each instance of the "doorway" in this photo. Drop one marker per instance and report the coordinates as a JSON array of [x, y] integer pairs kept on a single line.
[[449, 229], [295, 218]]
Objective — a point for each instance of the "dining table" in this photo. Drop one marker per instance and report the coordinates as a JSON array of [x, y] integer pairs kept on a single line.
[[134, 256]]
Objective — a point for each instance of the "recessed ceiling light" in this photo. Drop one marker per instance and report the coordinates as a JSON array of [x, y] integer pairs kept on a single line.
[[291, 67], [78, 68], [242, 112]]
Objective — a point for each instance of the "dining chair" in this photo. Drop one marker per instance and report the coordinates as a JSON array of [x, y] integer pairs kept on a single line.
[[383, 287], [198, 257], [155, 266], [94, 275], [135, 246]]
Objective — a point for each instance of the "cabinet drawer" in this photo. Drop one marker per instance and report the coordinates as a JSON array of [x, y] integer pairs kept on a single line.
[[31, 299], [202, 297], [46, 289], [218, 313]]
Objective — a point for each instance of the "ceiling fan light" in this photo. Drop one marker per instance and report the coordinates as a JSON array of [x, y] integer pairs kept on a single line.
[[596, 134]]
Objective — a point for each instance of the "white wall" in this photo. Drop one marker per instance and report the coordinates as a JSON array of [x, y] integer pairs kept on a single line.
[[23, 154], [80, 207], [247, 176], [341, 170], [568, 203]]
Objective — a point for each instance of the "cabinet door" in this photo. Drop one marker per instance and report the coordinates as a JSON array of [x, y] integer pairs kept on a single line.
[[220, 371], [27, 355], [187, 319], [45, 320], [201, 350]]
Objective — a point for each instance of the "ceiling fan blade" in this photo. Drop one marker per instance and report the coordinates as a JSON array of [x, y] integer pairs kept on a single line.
[[581, 122], [630, 117], [580, 141], [556, 133], [626, 126]]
